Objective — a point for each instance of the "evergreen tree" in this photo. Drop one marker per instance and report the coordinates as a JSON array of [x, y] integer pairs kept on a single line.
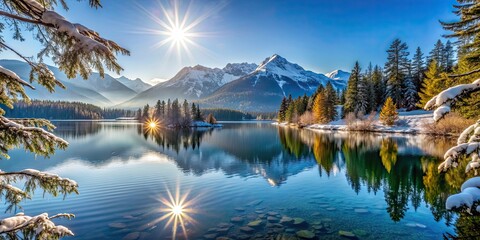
[[331, 99], [158, 110], [410, 93], [187, 118], [388, 114], [146, 113], [448, 57], [282, 110], [362, 103], [378, 87], [168, 112], [194, 112], [396, 70], [76, 50], [465, 31], [437, 54], [138, 116], [418, 68], [290, 114], [352, 89], [198, 114], [432, 84]]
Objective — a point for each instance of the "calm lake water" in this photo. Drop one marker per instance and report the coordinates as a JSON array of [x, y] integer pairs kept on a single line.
[[373, 185]]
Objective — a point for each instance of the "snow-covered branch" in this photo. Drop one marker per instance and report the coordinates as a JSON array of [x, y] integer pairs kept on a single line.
[[38, 227], [444, 100], [468, 145], [30, 134]]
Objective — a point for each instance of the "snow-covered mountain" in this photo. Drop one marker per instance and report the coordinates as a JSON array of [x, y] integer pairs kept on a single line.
[[264, 88], [338, 75], [191, 83], [95, 90], [136, 85]]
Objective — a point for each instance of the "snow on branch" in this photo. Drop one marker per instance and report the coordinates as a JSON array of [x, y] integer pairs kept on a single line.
[[443, 101], [468, 197], [29, 133], [36, 227]]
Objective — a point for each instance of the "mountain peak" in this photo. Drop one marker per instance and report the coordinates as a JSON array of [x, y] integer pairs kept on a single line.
[[338, 75], [278, 65]]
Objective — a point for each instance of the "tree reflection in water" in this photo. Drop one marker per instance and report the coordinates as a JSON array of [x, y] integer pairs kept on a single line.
[[379, 162]]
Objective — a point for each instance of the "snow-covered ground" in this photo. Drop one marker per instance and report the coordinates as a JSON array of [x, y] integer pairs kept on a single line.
[[408, 122]]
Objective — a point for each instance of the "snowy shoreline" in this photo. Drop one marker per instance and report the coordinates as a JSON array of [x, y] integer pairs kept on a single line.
[[408, 123]]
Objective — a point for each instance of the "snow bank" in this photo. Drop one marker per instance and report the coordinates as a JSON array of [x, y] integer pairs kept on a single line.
[[409, 123], [201, 124]]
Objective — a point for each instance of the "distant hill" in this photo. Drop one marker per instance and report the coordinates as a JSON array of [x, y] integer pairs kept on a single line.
[[95, 90]]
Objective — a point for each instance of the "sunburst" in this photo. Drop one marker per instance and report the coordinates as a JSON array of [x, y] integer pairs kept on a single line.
[[177, 210], [176, 27]]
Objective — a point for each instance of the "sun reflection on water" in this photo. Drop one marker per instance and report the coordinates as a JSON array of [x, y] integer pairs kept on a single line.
[[177, 210]]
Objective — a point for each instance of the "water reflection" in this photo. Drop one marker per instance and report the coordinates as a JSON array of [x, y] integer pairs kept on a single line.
[[402, 170]]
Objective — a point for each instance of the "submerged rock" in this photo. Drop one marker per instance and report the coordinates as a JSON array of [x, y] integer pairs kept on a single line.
[[286, 220], [239, 209], [272, 219], [210, 236], [237, 219], [132, 236], [117, 225], [346, 234], [420, 225], [360, 232], [305, 234], [247, 229], [299, 221], [256, 223]]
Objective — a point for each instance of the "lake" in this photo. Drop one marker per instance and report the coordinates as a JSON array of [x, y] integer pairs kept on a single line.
[[278, 180]]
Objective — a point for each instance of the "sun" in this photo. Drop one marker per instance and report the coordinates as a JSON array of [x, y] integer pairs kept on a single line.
[[177, 26], [178, 35]]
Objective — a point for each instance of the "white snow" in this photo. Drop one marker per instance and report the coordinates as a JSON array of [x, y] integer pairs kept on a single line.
[[411, 122], [467, 198], [15, 77]]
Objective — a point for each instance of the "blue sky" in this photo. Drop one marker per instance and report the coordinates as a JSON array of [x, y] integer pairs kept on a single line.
[[319, 35]]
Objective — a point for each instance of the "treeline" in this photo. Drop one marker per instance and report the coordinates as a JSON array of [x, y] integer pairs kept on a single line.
[[222, 114], [408, 82], [173, 113], [63, 110], [320, 107]]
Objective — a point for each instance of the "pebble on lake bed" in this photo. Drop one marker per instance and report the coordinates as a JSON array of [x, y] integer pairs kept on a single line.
[[117, 225]]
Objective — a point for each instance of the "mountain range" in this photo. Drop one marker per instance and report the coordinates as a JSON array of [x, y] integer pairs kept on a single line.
[[242, 86]]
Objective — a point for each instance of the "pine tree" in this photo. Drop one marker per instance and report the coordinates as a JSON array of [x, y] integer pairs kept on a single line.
[[146, 113], [418, 68], [290, 114], [282, 110], [331, 99], [76, 50], [194, 112], [437, 54], [465, 31], [362, 103], [187, 118], [410, 93], [388, 114], [352, 89], [448, 57], [158, 110], [432, 84], [378, 87], [138, 115], [396, 70]]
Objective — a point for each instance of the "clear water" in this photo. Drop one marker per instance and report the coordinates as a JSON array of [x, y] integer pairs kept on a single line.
[[376, 186]]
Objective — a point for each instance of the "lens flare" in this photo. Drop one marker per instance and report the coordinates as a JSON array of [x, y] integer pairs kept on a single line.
[[177, 211], [176, 26], [152, 125]]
